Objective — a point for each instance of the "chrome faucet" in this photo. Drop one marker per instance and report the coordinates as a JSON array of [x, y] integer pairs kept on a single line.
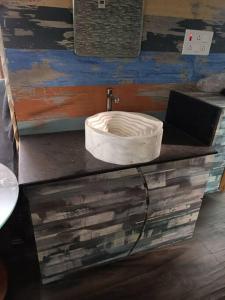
[[111, 99]]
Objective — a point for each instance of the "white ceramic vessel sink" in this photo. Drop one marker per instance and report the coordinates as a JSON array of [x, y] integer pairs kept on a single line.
[[123, 138]]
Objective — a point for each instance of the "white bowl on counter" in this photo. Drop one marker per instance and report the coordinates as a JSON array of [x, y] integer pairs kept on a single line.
[[123, 138]]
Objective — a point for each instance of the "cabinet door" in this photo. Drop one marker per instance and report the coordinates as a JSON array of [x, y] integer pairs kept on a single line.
[[86, 221], [175, 192]]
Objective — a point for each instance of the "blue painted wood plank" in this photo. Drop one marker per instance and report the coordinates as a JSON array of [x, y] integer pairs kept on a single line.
[[45, 68], [59, 125], [51, 125], [64, 68], [208, 65]]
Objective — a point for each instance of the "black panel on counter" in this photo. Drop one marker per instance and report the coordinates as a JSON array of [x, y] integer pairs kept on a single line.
[[194, 116]]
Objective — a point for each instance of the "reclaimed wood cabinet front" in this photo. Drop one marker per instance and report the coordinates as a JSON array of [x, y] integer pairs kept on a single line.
[[175, 191], [86, 221], [91, 220], [218, 169]]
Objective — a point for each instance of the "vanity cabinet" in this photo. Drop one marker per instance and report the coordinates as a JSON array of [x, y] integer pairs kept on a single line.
[[82, 222]]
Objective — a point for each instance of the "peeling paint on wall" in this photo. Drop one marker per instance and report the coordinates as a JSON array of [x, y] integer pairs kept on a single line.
[[39, 73]]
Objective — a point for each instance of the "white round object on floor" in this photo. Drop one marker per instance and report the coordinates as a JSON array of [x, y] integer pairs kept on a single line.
[[9, 191]]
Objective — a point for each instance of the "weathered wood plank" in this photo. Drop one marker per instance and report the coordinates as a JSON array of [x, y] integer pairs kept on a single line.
[[4, 70], [42, 26], [51, 68], [168, 32], [222, 183], [170, 237], [213, 64], [180, 168], [88, 237], [86, 209], [87, 263], [201, 9], [129, 176], [48, 3], [204, 9], [174, 208], [116, 237], [37, 27], [49, 103], [52, 265]]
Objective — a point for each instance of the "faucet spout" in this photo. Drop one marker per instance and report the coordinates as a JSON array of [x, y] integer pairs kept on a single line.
[[111, 99]]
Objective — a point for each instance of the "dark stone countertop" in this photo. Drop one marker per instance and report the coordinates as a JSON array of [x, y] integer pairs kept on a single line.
[[50, 157]]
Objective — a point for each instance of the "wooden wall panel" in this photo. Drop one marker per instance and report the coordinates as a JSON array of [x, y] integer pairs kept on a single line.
[[164, 24], [48, 3], [191, 9], [50, 84], [168, 33], [48, 68], [37, 27], [45, 103], [45, 86], [38, 73], [68, 102]]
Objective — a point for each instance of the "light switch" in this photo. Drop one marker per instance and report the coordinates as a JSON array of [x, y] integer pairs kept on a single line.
[[101, 3], [197, 42]]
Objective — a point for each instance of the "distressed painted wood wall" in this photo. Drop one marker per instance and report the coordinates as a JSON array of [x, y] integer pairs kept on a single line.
[[52, 89]]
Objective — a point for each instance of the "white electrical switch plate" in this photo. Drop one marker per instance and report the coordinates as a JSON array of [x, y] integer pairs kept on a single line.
[[197, 42], [101, 3]]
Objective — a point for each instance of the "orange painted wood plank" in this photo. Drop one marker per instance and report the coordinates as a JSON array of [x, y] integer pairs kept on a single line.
[[68, 102], [1, 69], [62, 102], [222, 184]]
